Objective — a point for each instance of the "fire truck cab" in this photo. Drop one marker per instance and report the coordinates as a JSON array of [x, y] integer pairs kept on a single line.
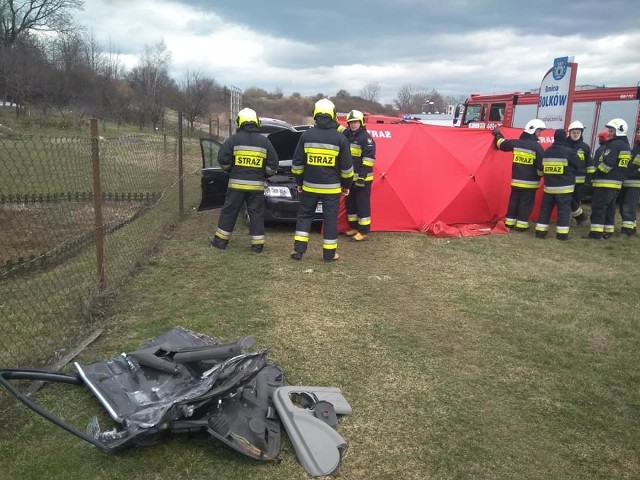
[[593, 106]]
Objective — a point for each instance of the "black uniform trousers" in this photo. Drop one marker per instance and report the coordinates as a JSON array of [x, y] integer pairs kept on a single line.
[[306, 211], [603, 210], [563, 202], [576, 199], [233, 202], [358, 204], [521, 203], [629, 197]]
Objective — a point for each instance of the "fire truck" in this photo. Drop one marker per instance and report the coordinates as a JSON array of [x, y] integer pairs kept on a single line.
[[593, 106]]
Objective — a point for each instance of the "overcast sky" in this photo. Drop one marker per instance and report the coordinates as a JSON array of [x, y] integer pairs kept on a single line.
[[454, 46]]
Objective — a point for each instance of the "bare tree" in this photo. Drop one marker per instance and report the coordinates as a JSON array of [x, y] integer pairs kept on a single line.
[[18, 17], [370, 92], [412, 99], [405, 98], [150, 80], [198, 94]]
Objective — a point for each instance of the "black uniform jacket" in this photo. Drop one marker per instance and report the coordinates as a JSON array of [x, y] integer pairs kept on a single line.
[[322, 162]]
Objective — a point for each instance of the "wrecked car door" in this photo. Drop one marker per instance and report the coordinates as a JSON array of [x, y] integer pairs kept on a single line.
[[213, 181]]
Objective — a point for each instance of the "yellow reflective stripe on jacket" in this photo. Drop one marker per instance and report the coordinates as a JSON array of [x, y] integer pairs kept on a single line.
[[632, 183], [323, 189], [253, 185], [356, 150], [347, 173], [368, 161], [603, 167], [606, 183], [558, 190], [525, 183]]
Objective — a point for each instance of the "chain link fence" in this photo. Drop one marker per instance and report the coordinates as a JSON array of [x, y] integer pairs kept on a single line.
[[77, 216]]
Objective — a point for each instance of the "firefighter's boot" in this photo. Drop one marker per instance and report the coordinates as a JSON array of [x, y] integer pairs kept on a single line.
[[594, 236], [541, 234], [627, 232], [359, 237], [332, 259], [257, 248], [562, 236], [580, 219], [296, 255], [218, 242]]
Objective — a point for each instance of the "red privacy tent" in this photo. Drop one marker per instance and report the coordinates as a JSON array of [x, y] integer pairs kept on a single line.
[[442, 181]]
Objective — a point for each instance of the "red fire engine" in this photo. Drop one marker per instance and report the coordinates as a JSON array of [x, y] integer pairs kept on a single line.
[[593, 106]]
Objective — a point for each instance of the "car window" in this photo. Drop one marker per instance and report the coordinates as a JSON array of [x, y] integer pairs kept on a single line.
[[497, 111], [210, 150]]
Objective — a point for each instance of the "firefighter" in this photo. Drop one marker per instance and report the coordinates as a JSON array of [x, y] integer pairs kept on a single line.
[[525, 172], [583, 151], [610, 172], [560, 167], [248, 157], [363, 152], [323, 168], [631, 191]]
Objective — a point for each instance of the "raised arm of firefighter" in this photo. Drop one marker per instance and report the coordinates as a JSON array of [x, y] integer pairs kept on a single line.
[[498, 138]]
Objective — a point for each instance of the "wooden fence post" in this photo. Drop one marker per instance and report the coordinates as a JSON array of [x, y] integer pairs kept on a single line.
[[97, 202]]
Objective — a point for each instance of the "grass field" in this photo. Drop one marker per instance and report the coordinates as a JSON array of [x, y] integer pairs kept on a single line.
[[495, 357]]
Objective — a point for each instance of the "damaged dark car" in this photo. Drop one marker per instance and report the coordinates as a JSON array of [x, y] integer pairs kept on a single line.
[[281, 194]]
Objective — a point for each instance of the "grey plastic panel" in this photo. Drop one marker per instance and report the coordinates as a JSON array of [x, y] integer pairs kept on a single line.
[[318, 446]]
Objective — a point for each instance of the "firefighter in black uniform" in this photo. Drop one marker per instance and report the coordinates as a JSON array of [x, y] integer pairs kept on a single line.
[[610, 172], [363, 152], [248, 157], [583, 150], [323, 168], [559, 166], [631, 191], [525, 173]]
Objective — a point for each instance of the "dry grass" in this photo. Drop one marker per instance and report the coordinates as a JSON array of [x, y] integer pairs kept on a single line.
[[502, 357]]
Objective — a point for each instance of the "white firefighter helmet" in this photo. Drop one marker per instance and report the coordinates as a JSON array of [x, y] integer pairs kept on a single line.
[[576, 125], [619, 125], [533, 125]]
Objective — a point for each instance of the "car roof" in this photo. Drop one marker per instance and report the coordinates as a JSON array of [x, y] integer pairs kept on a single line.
[[270, 125]]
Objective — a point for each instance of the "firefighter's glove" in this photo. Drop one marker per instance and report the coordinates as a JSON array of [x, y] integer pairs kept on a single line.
[[497, 133]]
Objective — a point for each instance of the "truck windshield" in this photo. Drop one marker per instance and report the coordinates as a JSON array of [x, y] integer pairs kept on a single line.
[[472, 114]]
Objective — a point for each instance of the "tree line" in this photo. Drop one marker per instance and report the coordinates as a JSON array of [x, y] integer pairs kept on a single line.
[[58, 69]]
